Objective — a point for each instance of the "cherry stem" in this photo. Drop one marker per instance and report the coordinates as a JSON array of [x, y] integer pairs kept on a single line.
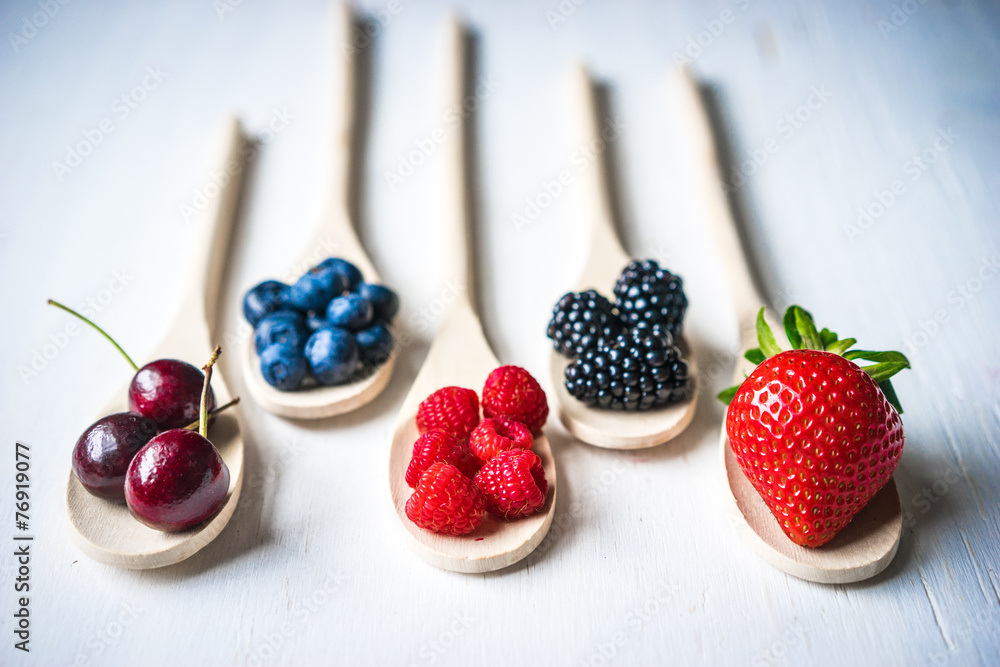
[[193, 426], [203, 417], [99, 330]]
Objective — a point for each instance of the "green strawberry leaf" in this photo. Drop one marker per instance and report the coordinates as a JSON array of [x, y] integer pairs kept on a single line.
[[884, 371], [827, 337], [840, 346], [869, 355], [754, 356], [807, 329], [890, 395], [727, 395], [768, 345], [790, 328]]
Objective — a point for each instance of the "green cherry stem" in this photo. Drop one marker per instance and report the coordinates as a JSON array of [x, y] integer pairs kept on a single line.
[[193, 426], [99, 330], [203, 417]]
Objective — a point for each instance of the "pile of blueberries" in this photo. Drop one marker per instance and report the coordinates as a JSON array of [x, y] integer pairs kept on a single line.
[[330, 326]]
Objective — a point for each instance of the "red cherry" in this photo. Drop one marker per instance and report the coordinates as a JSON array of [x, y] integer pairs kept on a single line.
[[102, 454], [168, 391]]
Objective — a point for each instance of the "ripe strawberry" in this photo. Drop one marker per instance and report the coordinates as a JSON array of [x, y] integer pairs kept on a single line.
[[446, 501], [453, 409], [815, 434], [511, 391], [496, 435], [438, 445], [514, 483]]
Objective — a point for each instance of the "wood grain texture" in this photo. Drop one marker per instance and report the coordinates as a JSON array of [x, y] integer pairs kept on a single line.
[[640, 561]]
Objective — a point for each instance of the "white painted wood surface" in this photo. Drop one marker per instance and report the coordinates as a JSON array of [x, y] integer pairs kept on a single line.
[[640, 562]]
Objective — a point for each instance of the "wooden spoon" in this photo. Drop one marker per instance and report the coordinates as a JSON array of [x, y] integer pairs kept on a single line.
[[605, 261], [335, 236], [106, 531], [867, 545], [461, 356]]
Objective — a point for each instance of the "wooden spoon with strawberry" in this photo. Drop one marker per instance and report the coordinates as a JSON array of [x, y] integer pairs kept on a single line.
[[783, 458]]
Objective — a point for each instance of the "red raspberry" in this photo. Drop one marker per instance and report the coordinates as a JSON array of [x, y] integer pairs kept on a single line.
[[496, 435], [510, 391], [446, 501], [514, 483], [453, 409], [438, 445]]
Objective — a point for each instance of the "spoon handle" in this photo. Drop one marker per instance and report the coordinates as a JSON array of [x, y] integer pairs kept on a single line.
[[704, 164], [605, 255], [456, 204]]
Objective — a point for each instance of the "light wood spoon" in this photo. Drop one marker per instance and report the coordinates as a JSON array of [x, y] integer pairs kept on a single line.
[[335, 236], [605, 261], [867, 545], [461, 356], [106, 531]]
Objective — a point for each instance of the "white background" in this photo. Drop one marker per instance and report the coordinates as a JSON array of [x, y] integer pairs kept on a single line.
[[640, 563]]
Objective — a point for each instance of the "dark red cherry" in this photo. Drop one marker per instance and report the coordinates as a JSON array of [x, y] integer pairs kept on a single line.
[[168, 391], [176, 481], [102, 454]]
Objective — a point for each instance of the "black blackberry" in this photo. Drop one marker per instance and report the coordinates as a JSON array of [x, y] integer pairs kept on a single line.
[[582, 321], [645, 295], [642, 370]]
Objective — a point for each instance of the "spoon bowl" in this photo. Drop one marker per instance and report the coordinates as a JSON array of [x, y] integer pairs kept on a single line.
[[105, 531]]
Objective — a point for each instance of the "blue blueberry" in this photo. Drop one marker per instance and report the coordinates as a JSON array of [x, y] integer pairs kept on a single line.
[[332, 354], [384, 300], [267, 297], [284, 326], [316, 320], [283, 366], [350, 311], [314, 290], [351, 274], [374, 344]]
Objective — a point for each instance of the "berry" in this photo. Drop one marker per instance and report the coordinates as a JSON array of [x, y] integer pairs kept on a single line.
[[315, 289], [582, 321], [283, 366], [102, 454], [816, 435], [437, 445], [446, 501], [316, 320], [266, 297], [511, 391], [497, 435], [452, 409], [332, 355], [350, 311], [283, 326], [514, 483], [641, 371], [350, 274], [384, 300], [375, 344], [645, 295], [168, 391]]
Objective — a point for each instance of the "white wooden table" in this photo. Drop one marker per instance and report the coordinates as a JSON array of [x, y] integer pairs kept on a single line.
[[865, 138]]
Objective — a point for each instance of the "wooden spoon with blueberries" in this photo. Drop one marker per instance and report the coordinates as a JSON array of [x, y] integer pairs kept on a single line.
[[324, 346], [146, 490], [472, 496], [621, 372]]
